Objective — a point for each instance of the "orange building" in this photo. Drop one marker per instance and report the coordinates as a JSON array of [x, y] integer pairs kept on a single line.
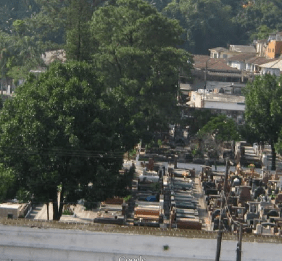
[[273, 49]]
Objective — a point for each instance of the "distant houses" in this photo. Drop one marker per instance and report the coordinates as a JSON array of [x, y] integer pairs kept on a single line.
[[220, 76]]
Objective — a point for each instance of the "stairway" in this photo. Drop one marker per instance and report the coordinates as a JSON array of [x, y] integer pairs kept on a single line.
[[35, 210]]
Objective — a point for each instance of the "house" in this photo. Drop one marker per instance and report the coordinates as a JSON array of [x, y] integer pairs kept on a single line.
[[253, 64], [231, 105], [213, 69], [261, 46], [242, 49], [239, 61], [274, 67], [274, 49], [274, 45], [220, 52]]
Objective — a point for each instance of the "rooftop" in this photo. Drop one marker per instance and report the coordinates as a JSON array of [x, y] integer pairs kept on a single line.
[[11, 205], [274, 64], [221, 97], [219, 49], [214, 64], [242, 48], [242, 57], [259, 60]]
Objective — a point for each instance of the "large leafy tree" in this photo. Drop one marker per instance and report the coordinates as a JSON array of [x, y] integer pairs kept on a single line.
[[263, 109], [138, 55], [258, 18], [217, 130], [78, 42], [207, 23], [221, 128], [59, 136]]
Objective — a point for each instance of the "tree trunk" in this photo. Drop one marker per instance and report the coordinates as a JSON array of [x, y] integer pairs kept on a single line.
[[56, 216], [273, 155], [47, 205], [58, 205]]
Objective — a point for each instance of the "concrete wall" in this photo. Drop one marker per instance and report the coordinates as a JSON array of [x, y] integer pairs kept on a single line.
[[33, 244], [224, 106]]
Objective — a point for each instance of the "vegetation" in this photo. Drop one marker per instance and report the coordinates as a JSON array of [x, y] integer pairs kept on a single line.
[[137, 55], [263, 110], [59, 135], [215, 132], [66, 131]]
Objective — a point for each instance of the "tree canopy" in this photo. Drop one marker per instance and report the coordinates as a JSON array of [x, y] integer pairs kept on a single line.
[[221, 128], [138, 55], [263, 109], [59, 134]]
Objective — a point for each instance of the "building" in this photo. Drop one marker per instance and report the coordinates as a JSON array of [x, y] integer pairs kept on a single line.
[[231, 105], [11, 210], [239, 61], [273, 67]]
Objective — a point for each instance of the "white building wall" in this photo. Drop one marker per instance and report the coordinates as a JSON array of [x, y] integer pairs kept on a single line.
[[197, 99], [224, 106], [272, 71], [238, 65], [33, 244]]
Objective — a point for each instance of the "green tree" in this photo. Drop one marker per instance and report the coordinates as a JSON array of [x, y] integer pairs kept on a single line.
[[257, 18], [59, 136], [221, 128], [216, 131], [138, 57], [207, 23], [263, 109], [198, 120], [7, 181], [78, 42]]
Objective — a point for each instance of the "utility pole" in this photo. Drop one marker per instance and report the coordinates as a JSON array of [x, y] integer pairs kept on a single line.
[[239, 244], [219, 234], [220, 226]]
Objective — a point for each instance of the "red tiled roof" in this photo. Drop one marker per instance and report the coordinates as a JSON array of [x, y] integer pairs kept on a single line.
[[215, 64], [241, 57], [260, 60]]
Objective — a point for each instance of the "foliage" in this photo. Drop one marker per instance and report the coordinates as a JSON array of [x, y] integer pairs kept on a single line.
[[197, 120], [263, 109], [207, 23], [138, 57], [221, 128], [215, 132], [78, 43], [257, 18], [59, 131], [127, 198], [7, 181]]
